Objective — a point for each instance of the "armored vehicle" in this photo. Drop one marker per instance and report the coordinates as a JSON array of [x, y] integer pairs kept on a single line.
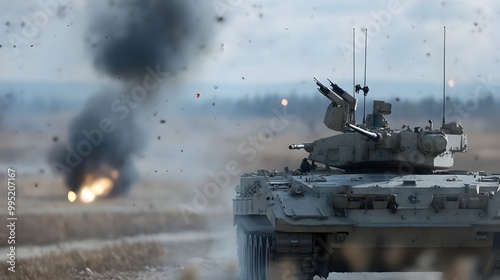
[[369, 198]]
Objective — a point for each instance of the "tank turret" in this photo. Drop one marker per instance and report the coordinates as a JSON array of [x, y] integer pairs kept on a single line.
[[374, 146]]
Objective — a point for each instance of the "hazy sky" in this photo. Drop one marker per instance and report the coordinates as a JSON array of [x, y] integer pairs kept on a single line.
[[277, 41]]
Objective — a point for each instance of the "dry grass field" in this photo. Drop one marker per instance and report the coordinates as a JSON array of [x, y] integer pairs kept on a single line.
[[57, 239]]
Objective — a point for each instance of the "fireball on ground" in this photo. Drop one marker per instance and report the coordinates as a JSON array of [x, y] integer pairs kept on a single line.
[[86, 195], [95, 186], [71, 196]]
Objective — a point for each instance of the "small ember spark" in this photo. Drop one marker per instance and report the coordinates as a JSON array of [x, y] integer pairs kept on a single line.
[[284, 102]]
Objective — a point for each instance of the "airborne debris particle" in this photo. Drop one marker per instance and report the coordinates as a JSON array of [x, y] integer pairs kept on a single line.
[[159, 137], [36, 185], [55, 139], [162, 121], [197, 95]]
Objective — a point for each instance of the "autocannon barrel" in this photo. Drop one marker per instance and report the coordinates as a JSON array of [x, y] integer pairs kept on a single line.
[[371, 135], [306, 146], [296, 146], [338, 90], [322, 88]]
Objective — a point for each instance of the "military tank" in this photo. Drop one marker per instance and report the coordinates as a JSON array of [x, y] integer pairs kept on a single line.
[[369, 198]]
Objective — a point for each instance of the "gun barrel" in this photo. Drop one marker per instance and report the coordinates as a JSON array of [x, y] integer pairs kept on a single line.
[[322, 88], [306, 146], [335, 88], [371, 135], [296, 146], [337, 94]]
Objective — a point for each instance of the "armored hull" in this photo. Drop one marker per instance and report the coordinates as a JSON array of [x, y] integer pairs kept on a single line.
[[383, 200], [311, 224]]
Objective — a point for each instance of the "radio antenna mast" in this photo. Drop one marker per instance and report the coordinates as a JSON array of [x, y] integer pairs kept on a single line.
[[357, 87], [444, 74], [354, 66], [365, 88]]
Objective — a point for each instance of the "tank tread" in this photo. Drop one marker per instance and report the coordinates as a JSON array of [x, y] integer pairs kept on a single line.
[[258, 258]]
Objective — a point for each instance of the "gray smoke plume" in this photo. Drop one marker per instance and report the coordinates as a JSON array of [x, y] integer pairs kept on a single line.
[[137, 42]]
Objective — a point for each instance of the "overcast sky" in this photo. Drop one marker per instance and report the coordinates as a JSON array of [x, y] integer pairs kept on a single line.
[[269, 42]]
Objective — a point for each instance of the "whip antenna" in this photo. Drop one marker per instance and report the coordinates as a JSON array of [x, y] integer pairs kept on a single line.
[[354, 65], [444, 73], [365, 88]]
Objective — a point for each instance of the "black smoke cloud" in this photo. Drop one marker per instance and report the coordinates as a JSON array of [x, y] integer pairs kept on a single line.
[[99, 142], [151, 33], [127, 38]]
